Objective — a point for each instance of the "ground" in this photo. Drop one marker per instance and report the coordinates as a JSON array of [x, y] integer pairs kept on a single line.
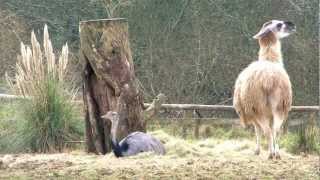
[[202, 159]]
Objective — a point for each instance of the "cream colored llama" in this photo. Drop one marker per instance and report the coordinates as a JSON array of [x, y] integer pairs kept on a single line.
[[263, 95]]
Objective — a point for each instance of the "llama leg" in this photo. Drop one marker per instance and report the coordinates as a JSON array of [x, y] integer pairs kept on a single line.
[[277, 122], [264, 124], [279, 116], [258, 139], [276, 146], [269, 135]]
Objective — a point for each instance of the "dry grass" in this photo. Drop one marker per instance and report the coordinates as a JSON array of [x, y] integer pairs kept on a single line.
[[35, 67], [203, 159]]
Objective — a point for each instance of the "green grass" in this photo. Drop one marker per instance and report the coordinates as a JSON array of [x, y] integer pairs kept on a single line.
[[24, 132], [305, 139], [185, 129], [48, 120], [7, 124], [38, 126], [30, 126], [14, 136]]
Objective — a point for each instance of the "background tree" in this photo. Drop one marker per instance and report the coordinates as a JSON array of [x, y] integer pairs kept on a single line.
[[190, 50]]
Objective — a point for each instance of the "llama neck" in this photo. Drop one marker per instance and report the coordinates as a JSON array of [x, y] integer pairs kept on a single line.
[[270, 49]]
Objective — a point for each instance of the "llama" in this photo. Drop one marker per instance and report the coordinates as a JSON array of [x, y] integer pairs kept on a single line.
[[262, 94], [134, 143]]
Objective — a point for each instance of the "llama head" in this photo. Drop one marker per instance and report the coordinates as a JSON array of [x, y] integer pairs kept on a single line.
[[279, 29]]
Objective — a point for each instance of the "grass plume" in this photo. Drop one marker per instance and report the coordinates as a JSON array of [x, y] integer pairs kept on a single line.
[[47, 117]]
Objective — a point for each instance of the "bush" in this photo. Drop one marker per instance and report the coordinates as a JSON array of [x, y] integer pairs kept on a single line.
[[47, 116]]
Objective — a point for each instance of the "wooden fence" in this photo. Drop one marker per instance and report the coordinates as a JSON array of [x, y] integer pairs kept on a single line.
[[227, 108], [189, 108], [199, 107], [192, 112]]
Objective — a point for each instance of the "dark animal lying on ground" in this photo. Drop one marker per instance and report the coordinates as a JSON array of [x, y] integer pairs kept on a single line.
[[134, 143]]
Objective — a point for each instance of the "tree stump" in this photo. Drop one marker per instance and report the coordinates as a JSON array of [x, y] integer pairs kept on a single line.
[[109, 82], [154, 107]]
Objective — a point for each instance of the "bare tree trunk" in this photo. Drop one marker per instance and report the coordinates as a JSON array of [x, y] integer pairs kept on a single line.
[[109, 82]]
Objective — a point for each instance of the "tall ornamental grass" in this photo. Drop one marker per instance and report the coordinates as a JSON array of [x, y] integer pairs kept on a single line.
[[47, 116]]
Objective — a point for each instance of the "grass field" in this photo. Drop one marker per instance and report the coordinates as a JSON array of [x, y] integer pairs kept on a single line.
[[220, 153], [202, 159]]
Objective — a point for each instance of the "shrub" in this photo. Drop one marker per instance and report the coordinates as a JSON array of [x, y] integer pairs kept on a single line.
[[47, 116]]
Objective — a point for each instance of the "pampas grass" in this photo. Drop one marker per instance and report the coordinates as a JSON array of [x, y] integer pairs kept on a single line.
[[34, 67], [47, 117]]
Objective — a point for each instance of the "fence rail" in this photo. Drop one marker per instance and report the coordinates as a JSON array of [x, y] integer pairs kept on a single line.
[[188, 115], [227, 108], [191, 106]]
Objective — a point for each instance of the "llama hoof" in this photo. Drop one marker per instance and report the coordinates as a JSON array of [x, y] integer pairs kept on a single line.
[[271, 156], [257, 152], [274, 156], [277, 156]]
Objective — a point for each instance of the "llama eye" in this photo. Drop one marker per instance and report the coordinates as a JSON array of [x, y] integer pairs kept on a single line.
[[279, 25], [115, 50]]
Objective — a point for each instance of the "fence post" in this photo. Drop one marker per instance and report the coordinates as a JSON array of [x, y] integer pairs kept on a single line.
[[187, 116], [198, 117]]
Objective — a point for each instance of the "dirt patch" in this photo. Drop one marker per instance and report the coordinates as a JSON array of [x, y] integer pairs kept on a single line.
[[205, 159]]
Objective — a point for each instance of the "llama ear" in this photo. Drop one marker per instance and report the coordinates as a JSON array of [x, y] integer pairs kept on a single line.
[[264, 31]]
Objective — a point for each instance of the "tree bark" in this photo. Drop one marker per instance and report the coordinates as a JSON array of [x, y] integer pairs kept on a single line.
[[109, 83]]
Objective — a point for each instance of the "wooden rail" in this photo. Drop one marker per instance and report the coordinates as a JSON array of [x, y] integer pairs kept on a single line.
[[227, 108], [188, 108], [191, 106], [215, 121]]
